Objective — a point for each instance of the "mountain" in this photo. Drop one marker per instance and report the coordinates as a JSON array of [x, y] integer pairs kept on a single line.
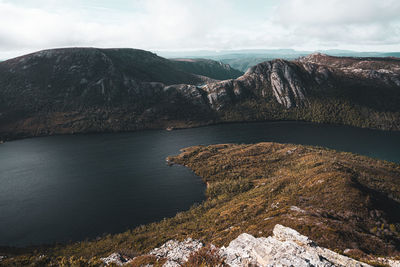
[[89, 89], [207, 67], [245, 58], [98, 90], [362, 92], [223, 53]]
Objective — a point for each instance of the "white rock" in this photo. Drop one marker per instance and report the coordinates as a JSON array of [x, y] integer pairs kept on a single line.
[[115, 258], [390, 262], [285, 248], [177, 252]]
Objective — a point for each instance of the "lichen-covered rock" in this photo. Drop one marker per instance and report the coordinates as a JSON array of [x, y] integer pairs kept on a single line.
[[390, 262], [177, 252], [114, 258], [285, 248]]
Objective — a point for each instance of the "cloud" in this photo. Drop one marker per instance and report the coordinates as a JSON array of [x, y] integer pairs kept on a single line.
[[28, 25], [351, 22]]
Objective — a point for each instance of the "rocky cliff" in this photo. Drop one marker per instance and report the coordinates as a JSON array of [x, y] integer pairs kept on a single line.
[[94, 90]]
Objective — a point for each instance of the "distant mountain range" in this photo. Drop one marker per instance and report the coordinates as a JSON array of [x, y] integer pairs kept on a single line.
[[246, 58], [207, 67], [96, 90]]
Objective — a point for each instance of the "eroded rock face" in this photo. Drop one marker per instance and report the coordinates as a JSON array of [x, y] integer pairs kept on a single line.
[[285, 248]]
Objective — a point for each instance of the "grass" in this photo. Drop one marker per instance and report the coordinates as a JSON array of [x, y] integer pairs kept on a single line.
[[340, 200]]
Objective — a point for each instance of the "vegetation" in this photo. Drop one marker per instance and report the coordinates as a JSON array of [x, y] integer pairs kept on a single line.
[[340, 200], [318, 110], [205, 257], [207, 67]]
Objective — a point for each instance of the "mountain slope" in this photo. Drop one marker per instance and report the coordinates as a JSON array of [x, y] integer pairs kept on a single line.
[[319, 91], [88, 89], [66, 79], [207, 67], [97, 90]]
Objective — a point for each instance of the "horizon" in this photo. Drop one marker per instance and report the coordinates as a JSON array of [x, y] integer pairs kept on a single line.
[[215, 53], [177, 25]]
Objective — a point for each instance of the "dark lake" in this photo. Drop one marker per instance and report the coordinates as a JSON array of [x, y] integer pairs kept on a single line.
[[62, 188]]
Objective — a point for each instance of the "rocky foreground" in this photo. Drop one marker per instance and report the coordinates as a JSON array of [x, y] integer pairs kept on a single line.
[[286, 247]]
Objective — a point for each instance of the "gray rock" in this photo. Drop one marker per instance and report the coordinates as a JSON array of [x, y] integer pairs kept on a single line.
[[177, 252], [114, 258], [285, 248]]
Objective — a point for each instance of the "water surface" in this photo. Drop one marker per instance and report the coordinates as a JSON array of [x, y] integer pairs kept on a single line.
[[62, 188]]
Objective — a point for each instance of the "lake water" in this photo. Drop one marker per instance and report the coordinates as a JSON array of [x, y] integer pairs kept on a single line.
[[67, 188]]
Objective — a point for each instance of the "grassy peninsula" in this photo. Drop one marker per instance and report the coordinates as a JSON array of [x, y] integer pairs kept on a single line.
[[338, 199]]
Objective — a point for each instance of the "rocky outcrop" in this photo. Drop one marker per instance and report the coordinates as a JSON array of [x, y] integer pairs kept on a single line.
[[285, 248], [287, 80], [116, 259], [176, 252], [385, 70]]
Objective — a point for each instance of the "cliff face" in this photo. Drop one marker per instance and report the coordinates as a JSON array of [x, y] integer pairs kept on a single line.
[[285, 81], [319, 88], [92, 90], [371, 82]]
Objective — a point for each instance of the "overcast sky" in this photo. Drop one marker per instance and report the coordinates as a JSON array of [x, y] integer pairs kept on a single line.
[[362, 25]]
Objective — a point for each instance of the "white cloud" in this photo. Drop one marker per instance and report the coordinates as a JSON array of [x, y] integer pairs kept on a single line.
[[28, 25]]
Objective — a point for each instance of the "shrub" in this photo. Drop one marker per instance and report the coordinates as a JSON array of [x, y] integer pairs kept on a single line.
[[228, 187], [205, 257]]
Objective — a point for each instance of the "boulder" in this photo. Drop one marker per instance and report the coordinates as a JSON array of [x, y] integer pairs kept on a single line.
[[285, 248], [177, 252]]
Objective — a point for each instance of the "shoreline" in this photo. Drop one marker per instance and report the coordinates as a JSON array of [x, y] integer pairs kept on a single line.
[[225, 214], [179, 127]]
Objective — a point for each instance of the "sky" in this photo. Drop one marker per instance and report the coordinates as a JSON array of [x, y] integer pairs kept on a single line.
[[185, 25]]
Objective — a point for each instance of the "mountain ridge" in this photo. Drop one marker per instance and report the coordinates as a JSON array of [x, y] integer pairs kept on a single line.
[[100, 90]]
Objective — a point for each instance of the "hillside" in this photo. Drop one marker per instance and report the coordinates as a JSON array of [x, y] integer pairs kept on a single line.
[[107, 90], [359, 92], [207, 67], [243, 64], [342, 201], [88, 89]]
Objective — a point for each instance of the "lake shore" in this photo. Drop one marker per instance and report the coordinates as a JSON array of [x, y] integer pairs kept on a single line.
[[254, 187]]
